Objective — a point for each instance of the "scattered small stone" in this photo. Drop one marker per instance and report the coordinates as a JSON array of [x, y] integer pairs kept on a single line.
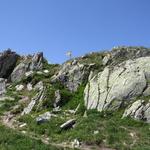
[[96, 132], [24, 132], [39, 86], [23, 125], [57, 98], [46, 71], [39, 72], [19, 87], [75, 143], [29, 73], [29, 87], [71, 111], [68, 124], [56, 109], [44, 117]]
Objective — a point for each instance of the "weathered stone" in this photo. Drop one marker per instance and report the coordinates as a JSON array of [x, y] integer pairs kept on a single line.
[[45, 71], [29, 73], [19, 72], [75, 143], [44, 117], [28, 64], [57, 98], [22, 125], [37, 61], [39, 86], [71, 111], [8, 61], [56, 109], [122, 53], [139, 110], [72, 74], [68, 124], [19, 87], [106, 59], [29, 87], [2, 87], [147, 91], [96, 132], [39, 72], [109, 89], [37, 98]]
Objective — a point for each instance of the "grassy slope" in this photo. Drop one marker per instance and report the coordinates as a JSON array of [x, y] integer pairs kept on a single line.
[[10, 140], [121, 134], [113, 132]]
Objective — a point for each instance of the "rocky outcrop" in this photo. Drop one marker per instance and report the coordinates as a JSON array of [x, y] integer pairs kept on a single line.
[[2, 87], [37, 61], [8, 61], [72, 74], [27, 65], [114, 86], [139, 110], [37, 99], [122, 53]]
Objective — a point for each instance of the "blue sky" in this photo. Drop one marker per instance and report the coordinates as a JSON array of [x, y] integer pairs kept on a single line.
[[82, 26]]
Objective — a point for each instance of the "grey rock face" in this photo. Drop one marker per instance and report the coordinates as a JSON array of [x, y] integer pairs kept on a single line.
[[122, 53], [2, 87], [37, 61], [8, 61], [19, 72], [109, 89], [27, 65], [139, 110], [72, 74], [35, 100]]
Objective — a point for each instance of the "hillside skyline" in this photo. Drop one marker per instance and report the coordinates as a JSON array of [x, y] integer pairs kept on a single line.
[[56, 27]]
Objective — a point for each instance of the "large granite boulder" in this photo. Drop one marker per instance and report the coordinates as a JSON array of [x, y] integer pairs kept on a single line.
[[8, 61], [139, 110], [72, 74], [29, 63], [114, 86]]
